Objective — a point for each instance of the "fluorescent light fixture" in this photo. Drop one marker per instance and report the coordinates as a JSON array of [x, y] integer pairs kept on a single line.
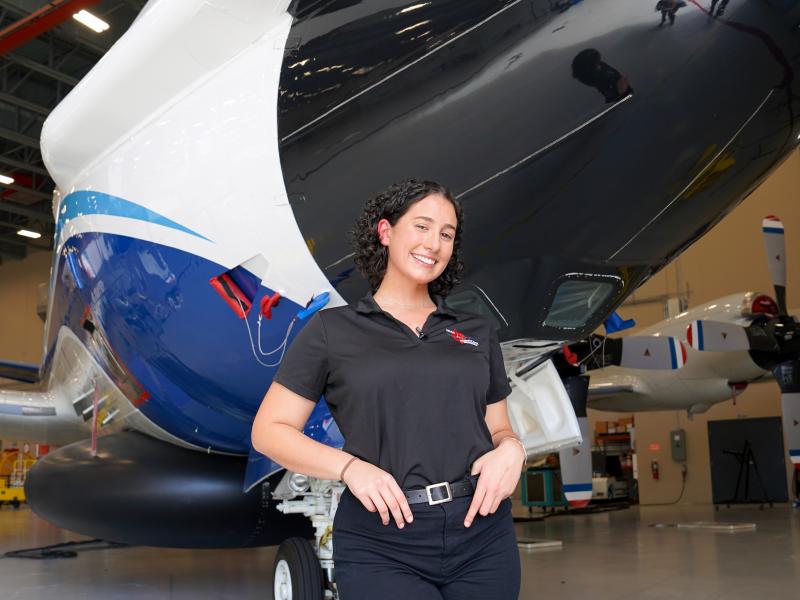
[[5, 179], [92, 22], [29, 234]]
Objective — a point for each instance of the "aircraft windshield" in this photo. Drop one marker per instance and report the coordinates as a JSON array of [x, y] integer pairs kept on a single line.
[[576, 302]]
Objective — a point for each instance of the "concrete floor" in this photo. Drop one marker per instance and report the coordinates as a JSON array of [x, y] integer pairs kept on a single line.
[[613, 555]]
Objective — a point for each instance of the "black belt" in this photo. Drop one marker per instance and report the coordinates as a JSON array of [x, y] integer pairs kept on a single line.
[[438, 493]]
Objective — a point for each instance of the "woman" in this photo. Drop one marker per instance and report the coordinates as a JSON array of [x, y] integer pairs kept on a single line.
[[418, 391]]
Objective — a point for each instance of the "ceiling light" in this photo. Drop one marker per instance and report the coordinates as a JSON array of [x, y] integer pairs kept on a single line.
[[29, 234], [92, 22], [5, 179]]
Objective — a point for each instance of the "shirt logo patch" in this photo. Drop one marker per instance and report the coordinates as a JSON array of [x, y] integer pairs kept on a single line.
[[460, 337]]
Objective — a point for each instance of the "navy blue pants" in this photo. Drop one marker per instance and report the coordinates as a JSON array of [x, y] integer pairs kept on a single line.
[[433, 558]]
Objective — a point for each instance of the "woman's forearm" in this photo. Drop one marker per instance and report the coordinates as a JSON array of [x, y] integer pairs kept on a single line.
[[297, 452], [499, 436]]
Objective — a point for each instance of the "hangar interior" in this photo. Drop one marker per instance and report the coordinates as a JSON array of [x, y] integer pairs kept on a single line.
[[730, 258], [632, 546], [617, 554]]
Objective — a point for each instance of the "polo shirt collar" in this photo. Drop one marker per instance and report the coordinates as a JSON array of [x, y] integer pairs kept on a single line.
[[368, 305]]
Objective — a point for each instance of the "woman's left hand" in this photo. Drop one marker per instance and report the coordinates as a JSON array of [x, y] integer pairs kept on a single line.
[[499, 471]]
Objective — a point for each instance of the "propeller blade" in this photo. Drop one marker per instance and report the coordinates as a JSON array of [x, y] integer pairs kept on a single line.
[[652, 352], [576, 463], [716, 336], [775, 246], [788, 377]]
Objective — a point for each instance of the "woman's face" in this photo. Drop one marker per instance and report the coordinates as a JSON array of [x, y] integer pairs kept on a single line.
[[421, 242]]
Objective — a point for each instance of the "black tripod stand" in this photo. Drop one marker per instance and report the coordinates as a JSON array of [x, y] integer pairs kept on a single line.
[[746, 458]]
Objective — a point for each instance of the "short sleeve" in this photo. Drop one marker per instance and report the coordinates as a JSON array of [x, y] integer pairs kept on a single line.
[[499, 388], [304, 368]]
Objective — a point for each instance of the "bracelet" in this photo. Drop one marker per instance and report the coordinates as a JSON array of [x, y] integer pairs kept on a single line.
[[519, 441], [344, 468]]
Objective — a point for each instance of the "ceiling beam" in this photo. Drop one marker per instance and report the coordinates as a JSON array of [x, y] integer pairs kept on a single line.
[[8, 251], [7, 240], [10, 223], [26, 212], [18, 164], [22, 242], [26, 190], [40, 68], [61, 34], [27, 105], [5, 224], [18, 222], [14, 222], [44, 19], [18, 138]]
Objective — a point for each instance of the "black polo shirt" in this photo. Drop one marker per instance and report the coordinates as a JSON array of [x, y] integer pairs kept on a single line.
[[413, 406]]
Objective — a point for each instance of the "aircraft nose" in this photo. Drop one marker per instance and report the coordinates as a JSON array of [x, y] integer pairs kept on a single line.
[[572, 132]]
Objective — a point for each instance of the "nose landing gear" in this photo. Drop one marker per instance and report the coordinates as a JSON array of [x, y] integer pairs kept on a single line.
[[304, 569], [297, 572]]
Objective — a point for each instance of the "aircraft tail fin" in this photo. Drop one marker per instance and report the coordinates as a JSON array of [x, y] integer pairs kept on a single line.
[[788, 377], [576, 463], [791, 426], [576, 469]]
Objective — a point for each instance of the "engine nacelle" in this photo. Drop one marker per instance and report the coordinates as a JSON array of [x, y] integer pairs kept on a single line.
[[142, 491]]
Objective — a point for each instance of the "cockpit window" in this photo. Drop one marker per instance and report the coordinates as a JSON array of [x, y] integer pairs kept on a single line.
[[576, 302]]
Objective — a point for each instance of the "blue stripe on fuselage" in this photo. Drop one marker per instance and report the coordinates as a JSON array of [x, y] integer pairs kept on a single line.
[[85, 202]]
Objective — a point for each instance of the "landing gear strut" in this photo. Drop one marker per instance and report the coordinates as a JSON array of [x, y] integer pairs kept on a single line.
[[303, 568]]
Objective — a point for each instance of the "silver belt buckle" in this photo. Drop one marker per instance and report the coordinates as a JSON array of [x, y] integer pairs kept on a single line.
[[446, 485]]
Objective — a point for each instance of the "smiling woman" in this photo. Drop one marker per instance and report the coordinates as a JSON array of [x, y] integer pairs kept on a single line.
[[371, 258], [418, 389]]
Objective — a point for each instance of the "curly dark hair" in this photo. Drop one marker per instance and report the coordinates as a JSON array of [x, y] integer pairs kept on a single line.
[[371, 257]]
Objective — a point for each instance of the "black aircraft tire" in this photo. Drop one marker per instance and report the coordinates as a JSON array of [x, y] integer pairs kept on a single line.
[[297, 574]]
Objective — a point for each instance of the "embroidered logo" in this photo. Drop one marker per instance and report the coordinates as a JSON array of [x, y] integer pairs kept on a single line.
[[460, 337]]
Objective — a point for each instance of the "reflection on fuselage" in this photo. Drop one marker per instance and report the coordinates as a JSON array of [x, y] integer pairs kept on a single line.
[[588, 68], [669, 8], [499, 101]]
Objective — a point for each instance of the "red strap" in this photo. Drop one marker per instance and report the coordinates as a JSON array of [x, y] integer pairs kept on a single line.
[[230, 292], [268, 303], [571, 357]]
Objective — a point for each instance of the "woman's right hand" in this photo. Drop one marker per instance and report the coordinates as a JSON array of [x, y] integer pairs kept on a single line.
[[378, 491]]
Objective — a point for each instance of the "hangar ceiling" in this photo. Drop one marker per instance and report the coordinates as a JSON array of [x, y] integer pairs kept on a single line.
[[35, 75]]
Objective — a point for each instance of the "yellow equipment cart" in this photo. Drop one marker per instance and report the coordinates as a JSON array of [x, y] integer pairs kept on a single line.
[[14, 465]]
